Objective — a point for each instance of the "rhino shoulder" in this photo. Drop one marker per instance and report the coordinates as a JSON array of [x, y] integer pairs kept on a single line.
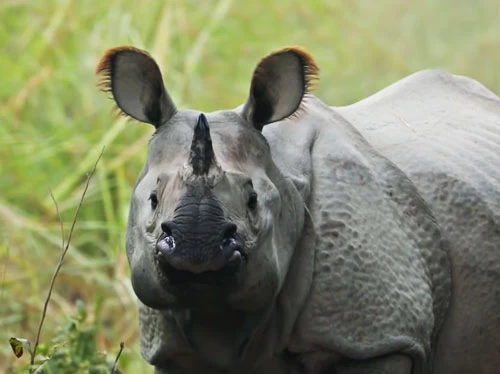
[[381, 280]]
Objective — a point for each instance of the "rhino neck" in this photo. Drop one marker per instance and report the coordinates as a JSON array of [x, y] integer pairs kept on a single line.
[[222, 338]]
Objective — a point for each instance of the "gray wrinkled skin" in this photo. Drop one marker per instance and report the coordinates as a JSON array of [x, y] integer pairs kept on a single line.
[[375, 247], [443, 132]]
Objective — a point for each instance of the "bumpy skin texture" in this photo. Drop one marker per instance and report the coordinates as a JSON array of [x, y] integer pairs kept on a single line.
[[398, 266], [381, 279], [443, 131]]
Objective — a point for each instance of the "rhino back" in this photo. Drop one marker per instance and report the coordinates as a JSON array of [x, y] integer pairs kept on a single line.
[[443, 131], [436, 123]]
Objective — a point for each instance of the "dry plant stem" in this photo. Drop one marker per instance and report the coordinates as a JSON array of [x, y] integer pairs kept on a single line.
[[64, 250], [113, 369]]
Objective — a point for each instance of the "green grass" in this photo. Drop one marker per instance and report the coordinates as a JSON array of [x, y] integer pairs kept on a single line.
[[54, 122]]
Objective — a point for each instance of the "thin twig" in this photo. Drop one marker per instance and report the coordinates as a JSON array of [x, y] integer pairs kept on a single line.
[[61, 223], [2, 285], [63, 254], [113, 369]]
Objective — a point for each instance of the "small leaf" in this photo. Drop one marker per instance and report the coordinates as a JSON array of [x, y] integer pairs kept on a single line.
[[18, 344], [80, 307]]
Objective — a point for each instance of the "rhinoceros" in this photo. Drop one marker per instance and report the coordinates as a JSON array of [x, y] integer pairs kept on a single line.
[[290, 236]]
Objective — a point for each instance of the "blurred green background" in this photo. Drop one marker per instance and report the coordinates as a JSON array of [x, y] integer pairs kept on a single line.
[[54, 121]]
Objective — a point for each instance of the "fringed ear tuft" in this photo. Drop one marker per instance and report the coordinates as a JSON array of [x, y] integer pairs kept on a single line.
[[309, 66], [280, 82], [133, 79], [311, 78], [105, 67]]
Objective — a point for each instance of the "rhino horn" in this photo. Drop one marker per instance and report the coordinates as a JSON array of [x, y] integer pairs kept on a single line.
[[202, 153]]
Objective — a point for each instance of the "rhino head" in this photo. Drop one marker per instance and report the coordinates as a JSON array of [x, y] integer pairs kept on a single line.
[[213, 222]]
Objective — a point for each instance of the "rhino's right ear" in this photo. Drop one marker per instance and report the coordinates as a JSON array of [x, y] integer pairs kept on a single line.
[[279, 84], [135, 82]]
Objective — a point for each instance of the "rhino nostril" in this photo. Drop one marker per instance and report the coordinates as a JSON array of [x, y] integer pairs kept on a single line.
[[231, 245], [165, 245], [229, 231], [167, 227]]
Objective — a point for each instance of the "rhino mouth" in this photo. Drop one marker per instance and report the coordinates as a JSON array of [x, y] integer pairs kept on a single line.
[[224, 273], [222, 277]]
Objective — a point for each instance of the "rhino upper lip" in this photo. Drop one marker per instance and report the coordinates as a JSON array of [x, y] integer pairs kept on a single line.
[[242, 250], [217, 277]]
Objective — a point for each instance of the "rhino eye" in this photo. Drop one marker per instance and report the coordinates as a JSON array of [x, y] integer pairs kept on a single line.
[[154, 200], [252, 201]]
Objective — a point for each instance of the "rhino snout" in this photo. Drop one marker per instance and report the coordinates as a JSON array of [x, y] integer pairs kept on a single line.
[[181, 251]]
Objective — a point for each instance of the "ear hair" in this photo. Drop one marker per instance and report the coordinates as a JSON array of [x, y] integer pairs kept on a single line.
[[310, 68], [104, 72], [133, 79], [311, 78], [280, 83]]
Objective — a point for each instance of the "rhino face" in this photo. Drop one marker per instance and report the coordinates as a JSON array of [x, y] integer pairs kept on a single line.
[[208, 227], [202, 215]]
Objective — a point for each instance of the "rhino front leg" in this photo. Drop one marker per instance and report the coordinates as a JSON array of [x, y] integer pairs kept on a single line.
[[393, 364]]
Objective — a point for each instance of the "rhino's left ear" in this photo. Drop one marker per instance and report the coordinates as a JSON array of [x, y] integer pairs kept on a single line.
[[279, 84], [135, 82]]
